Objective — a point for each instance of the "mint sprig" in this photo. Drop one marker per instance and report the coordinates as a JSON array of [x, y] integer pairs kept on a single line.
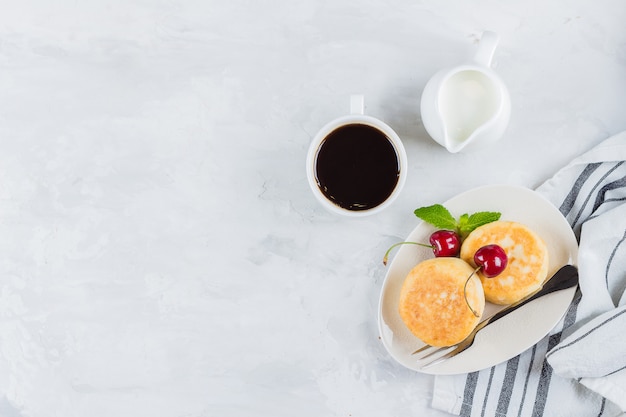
[[469, 223], [440, 217]]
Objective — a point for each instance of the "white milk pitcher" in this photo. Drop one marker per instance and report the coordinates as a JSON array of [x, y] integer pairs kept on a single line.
[[467, 107]]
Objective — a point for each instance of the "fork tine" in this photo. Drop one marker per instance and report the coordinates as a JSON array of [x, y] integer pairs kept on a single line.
[[439, 359], [423, 348], [435, 351]]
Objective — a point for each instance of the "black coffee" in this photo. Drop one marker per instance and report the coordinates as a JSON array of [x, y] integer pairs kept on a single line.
[[357, 167]]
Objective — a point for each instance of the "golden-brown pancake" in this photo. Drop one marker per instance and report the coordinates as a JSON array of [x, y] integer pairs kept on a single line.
[[432, 304], [527, 254]]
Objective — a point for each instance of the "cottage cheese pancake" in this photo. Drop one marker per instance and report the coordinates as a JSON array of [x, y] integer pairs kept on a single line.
[[432, 304], [527, 254]]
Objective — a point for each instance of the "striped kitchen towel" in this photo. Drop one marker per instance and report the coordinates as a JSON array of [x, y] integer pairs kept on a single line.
[[579, 369]]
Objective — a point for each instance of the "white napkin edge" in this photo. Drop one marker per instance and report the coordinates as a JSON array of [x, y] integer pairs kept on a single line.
[[612, 149], [610, 387], [603, 334], [444, 397]]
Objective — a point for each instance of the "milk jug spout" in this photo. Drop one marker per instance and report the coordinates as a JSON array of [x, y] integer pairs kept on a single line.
[[468, 106]]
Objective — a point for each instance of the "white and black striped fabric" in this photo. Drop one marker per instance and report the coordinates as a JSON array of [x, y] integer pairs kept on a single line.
[[579, 369]]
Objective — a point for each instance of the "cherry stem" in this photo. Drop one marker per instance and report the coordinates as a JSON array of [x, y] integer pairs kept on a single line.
[[386, 257], [465, 292]]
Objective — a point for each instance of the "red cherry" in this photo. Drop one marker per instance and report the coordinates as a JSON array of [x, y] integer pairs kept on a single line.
[[491, 259], [442, 242], [445, 243]]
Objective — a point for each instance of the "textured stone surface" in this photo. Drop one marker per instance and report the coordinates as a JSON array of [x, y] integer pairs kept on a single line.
[[160, 251]]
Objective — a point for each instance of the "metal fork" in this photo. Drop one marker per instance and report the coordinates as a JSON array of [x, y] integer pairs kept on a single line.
[[565, 277]]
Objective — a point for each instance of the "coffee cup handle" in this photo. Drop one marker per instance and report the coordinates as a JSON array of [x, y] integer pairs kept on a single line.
[[357, 104], [486, 48]]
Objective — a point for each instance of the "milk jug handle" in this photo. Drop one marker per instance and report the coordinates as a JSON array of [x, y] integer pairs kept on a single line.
[[486, 48]]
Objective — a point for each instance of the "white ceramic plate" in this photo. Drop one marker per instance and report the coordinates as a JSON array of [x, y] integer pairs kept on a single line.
[[510, 335]]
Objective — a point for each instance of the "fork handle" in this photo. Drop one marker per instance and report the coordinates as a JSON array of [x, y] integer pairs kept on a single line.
[[565, 277]]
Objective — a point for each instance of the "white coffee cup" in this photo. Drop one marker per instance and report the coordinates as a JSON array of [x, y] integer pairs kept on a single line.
[[350, 163]]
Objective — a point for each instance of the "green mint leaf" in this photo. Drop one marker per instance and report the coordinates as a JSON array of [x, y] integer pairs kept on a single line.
[[469, 223], [438, 216], [462, 224]]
